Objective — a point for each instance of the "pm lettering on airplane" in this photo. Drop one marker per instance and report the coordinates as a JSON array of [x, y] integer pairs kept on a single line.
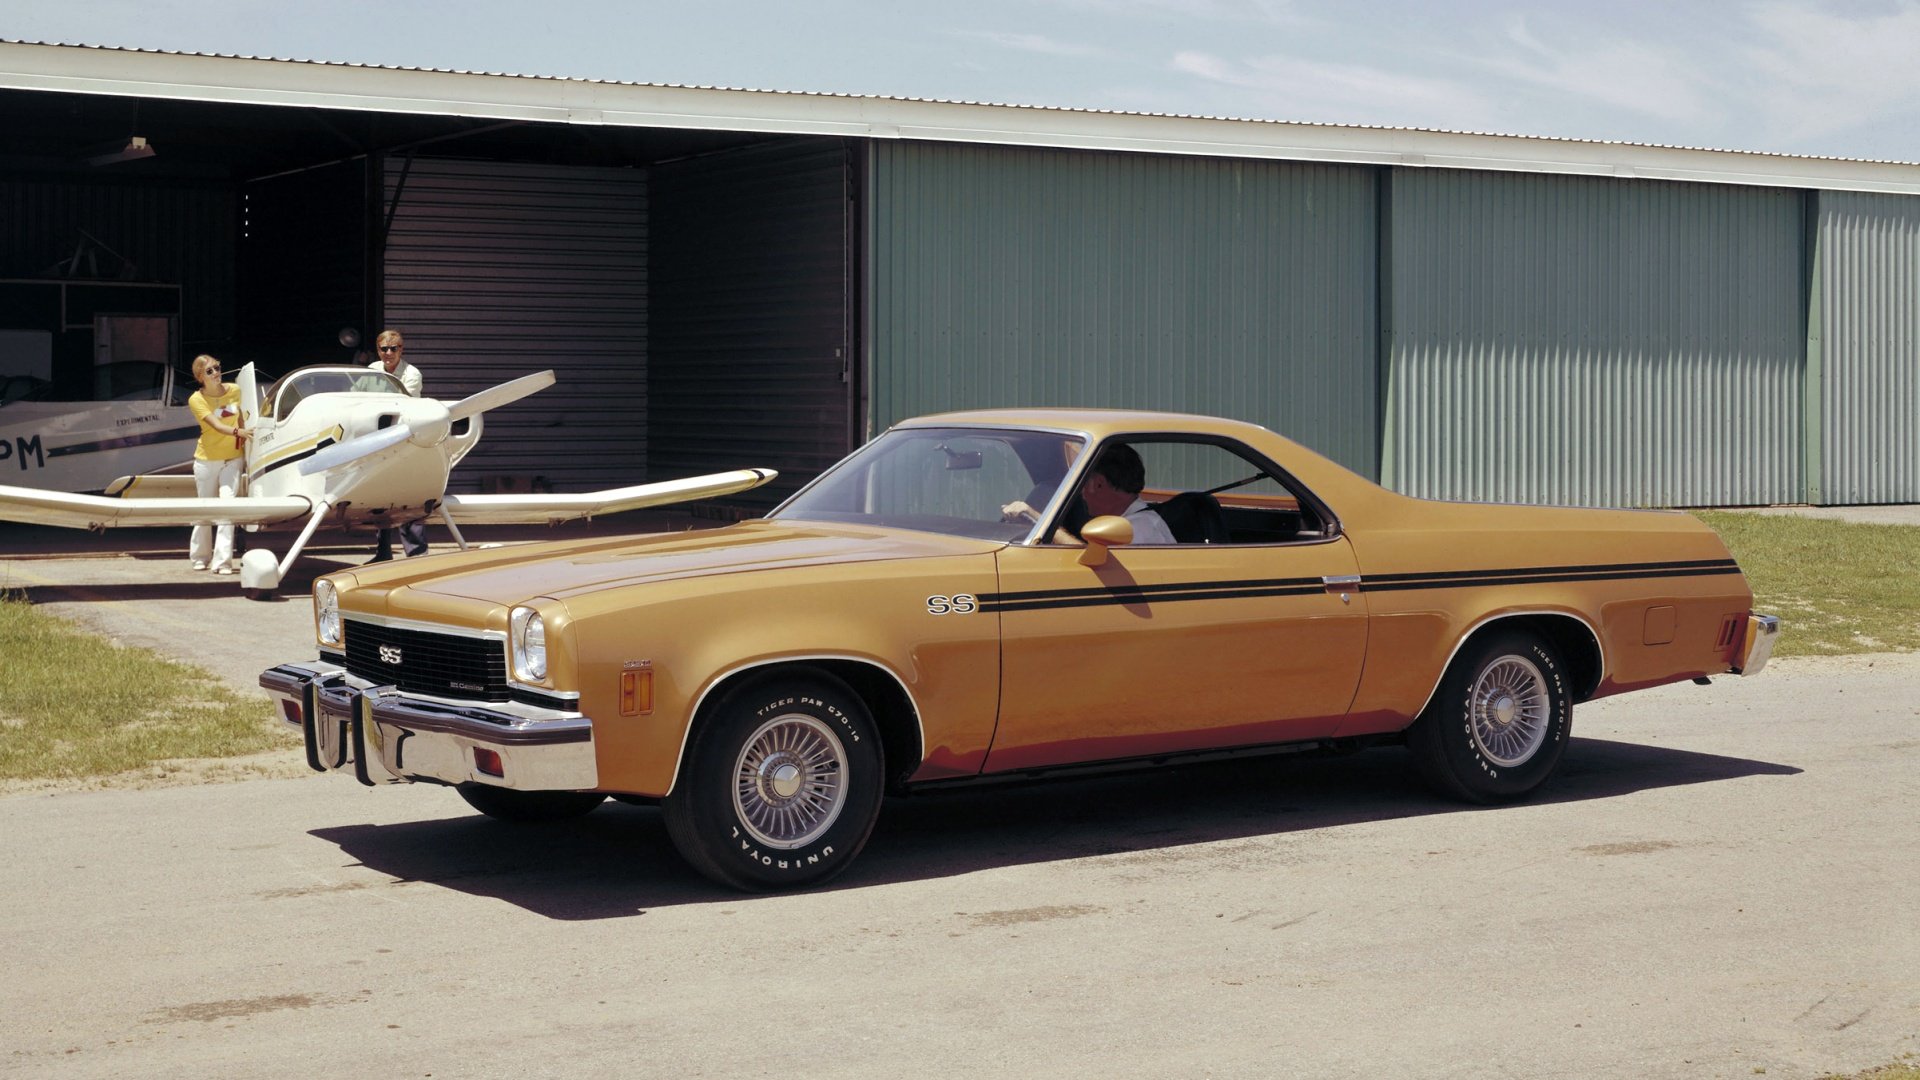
[[26, 451]]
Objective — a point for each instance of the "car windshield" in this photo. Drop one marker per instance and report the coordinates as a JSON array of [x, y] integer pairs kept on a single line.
[[946, 480]]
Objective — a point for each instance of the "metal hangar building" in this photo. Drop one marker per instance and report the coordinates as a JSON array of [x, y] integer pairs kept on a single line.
[[734, 277]]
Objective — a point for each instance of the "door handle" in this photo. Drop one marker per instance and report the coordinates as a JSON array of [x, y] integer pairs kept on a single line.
[[1343, 585]]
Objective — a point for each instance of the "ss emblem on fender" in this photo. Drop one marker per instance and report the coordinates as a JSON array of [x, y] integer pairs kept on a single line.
[[957, 604], [389, 654]]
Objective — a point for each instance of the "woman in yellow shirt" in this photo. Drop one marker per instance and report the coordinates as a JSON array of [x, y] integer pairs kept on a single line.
[[216, 459]]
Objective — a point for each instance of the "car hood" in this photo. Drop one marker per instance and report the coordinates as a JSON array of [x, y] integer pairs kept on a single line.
[[559, 571]]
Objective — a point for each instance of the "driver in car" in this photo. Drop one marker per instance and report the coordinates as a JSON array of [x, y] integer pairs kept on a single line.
[[1112, 488]]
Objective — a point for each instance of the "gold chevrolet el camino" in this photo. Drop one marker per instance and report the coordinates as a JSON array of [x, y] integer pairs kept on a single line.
[[979, 594]]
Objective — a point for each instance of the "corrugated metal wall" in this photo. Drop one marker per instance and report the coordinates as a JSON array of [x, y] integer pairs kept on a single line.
[[1867, 348], [752, 314], [1593, 342], [1007, 277], [174, 232], [494, 271]]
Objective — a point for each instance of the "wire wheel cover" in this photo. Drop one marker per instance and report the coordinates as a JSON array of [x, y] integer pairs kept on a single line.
[[790, 782], [1508, 711]]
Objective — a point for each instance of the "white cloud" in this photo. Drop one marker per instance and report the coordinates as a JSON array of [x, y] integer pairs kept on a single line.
[[1292, 88], [1816, 71], [1032, 43], [1661, 81]]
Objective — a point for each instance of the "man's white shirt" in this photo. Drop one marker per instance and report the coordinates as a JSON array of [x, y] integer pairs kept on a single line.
[[1148, 526], [408, 375]]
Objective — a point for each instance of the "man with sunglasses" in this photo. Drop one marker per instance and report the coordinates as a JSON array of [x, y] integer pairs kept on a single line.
[[391, 347]]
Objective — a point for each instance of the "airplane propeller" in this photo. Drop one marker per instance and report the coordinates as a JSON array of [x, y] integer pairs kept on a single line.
[[427, 432], [504, 394], [342, 453]]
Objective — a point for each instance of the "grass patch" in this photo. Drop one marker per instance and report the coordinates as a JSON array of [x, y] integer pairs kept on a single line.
[[1839, 587], [75, 705]]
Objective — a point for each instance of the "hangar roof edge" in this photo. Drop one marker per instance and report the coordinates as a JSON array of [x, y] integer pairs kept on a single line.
[[133, 72]]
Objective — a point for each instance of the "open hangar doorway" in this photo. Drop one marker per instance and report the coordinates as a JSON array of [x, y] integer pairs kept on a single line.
[[693, 290]]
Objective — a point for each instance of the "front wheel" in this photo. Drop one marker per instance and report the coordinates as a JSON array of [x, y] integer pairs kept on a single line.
[[1498, 725], [781, 784], [509, 804]]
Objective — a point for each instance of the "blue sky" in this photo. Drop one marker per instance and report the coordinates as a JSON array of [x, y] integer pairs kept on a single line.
[[1826, 77]]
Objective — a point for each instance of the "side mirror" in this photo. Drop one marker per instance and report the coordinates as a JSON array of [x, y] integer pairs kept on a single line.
[[1102, 533]]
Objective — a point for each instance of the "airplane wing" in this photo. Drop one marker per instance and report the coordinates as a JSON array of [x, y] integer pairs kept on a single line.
[[522, 509], [37, 507], [155, 486]]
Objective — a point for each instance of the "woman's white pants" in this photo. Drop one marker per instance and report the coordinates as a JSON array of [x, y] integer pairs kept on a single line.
[[211, 478]]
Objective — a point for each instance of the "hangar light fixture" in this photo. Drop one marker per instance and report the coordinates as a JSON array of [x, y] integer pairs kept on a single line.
[[132, 148]]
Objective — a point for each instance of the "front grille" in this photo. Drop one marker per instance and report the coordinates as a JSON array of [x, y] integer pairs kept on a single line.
[[443, 665]]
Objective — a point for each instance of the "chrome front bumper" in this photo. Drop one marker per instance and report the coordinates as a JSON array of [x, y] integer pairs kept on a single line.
[[1762, 630], [386, 737]]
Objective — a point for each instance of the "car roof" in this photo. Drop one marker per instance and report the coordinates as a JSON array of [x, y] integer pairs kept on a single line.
[[1095, 422]]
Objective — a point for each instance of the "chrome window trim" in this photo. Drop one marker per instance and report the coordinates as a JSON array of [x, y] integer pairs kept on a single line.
[[1077, 473]]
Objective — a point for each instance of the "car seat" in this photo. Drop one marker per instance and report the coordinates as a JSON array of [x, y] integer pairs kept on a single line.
[[1193, 517]]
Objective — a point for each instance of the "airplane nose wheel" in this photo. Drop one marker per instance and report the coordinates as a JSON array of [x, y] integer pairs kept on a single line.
[[259, 575]]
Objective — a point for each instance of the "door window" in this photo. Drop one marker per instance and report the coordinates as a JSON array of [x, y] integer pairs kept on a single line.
[[1207, 492]]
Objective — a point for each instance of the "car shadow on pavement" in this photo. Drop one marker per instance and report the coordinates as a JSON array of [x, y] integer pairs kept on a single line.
[[618, 862]]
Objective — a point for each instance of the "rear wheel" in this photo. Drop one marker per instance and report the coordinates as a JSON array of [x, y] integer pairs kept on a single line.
[[1499, 723], [781, 784], [508, 804]]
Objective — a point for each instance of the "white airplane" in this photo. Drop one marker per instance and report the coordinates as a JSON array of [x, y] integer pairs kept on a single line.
[[347, 446], [134, 425]]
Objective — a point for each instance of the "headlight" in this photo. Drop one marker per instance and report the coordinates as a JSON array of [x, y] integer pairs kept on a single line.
[[527, 635], [326, 612]]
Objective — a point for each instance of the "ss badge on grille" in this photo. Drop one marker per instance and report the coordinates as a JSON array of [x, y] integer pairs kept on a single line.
[[389, 654]]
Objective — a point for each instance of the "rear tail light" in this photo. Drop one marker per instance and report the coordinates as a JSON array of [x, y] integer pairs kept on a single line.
[[488, 761]]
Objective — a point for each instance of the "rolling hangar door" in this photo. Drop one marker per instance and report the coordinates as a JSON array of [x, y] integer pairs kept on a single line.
[[494, 270], [752, 352], [697, 312]]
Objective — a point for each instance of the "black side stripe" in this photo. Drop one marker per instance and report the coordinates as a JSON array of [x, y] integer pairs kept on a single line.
[[1370, 585], [292, 459], [1720, 565], [124, 441], [1048, 599], [1198, 590]]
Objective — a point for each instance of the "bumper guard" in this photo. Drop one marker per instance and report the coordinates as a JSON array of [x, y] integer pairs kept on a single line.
[[386, 737], [1762, 631]]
